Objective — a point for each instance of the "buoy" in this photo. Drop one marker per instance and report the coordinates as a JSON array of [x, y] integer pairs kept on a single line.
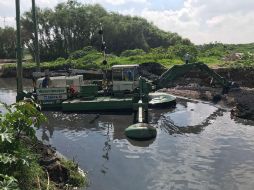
[[141, 131]]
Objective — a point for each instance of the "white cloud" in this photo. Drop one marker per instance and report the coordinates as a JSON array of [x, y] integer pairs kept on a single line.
[[7, 21], [202, 21], [211, 20], [121, 2]]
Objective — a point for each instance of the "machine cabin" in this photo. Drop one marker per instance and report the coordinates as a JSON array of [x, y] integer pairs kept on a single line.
[[125, 77]]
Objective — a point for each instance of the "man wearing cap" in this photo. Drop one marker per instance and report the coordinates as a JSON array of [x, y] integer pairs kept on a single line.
[[187, 58]]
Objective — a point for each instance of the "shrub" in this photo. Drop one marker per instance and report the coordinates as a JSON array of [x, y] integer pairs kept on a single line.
[[83, 52], [15, 159], [128, 53]]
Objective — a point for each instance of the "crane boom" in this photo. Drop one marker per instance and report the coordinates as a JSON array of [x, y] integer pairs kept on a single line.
[[167, 78]]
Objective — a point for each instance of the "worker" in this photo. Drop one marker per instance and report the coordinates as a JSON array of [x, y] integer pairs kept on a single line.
[[187, 58], [34, 83], [130, 75], [127, 75], [46, 80]]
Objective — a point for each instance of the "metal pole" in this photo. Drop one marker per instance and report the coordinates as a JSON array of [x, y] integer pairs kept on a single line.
[[36, 39], [19, 54]]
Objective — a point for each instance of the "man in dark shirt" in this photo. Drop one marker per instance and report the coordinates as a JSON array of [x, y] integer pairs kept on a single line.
[[45, 82]]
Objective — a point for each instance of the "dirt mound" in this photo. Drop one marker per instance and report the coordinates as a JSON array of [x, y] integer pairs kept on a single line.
[[241, 100], [244, 107], [153, 67]]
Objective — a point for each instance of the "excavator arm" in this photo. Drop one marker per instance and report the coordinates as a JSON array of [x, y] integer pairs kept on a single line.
[[168, 77]]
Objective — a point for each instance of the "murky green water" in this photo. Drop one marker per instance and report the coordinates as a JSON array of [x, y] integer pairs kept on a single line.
[[198, 147]]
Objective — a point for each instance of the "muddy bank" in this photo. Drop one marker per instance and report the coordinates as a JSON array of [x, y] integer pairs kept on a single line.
[[240, 101], [242, 76], [63, 174], [197, 85]]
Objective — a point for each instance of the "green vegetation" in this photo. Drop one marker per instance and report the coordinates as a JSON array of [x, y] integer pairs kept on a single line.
[[71, 26], [90, 58], [7, 43], [65, 30], [75, 179], [215, 55], [227, 55], [19, 168], [18, 165]]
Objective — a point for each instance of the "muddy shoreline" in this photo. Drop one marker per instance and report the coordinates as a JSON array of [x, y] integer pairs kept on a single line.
[[197, 85], [240, 101], [58, 172]]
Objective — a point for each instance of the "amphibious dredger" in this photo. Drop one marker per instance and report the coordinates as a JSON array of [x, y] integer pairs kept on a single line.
[[123, 92], [126, 91]]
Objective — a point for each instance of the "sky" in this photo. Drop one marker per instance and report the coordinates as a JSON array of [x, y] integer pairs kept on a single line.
[[202, 21]]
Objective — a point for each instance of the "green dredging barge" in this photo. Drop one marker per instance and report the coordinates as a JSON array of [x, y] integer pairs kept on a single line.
[[122, 93]]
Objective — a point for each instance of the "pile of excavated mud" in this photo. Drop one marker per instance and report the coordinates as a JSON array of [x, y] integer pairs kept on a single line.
[[244, 103], [197, 85], [241, 100]]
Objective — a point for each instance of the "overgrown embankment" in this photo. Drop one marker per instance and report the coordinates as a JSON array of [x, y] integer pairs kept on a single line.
[[90, 59], [25, 163]]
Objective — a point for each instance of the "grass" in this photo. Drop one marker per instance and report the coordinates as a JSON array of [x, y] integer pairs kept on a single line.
[[89, 58], [76, 179], [32, 175]]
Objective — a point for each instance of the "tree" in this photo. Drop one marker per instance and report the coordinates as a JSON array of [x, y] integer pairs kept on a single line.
[[7, 43], [71, 26]]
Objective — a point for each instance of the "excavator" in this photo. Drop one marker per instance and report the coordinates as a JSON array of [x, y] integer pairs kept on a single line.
[[121, 92], [168, 77]]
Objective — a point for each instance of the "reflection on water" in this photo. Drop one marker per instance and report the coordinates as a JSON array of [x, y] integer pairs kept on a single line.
[[192, 118], [7, 96], [198, 146], [8, 89]]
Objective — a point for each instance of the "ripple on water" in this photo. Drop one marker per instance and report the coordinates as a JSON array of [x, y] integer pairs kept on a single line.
[[198, 146]]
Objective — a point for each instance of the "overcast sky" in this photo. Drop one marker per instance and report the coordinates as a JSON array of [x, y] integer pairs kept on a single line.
[[202, 21]]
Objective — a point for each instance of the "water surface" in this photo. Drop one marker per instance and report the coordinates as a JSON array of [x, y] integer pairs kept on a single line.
[[198, 147]]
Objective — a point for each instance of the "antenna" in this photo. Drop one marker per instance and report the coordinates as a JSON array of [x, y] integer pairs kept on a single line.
[[103, 44]]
